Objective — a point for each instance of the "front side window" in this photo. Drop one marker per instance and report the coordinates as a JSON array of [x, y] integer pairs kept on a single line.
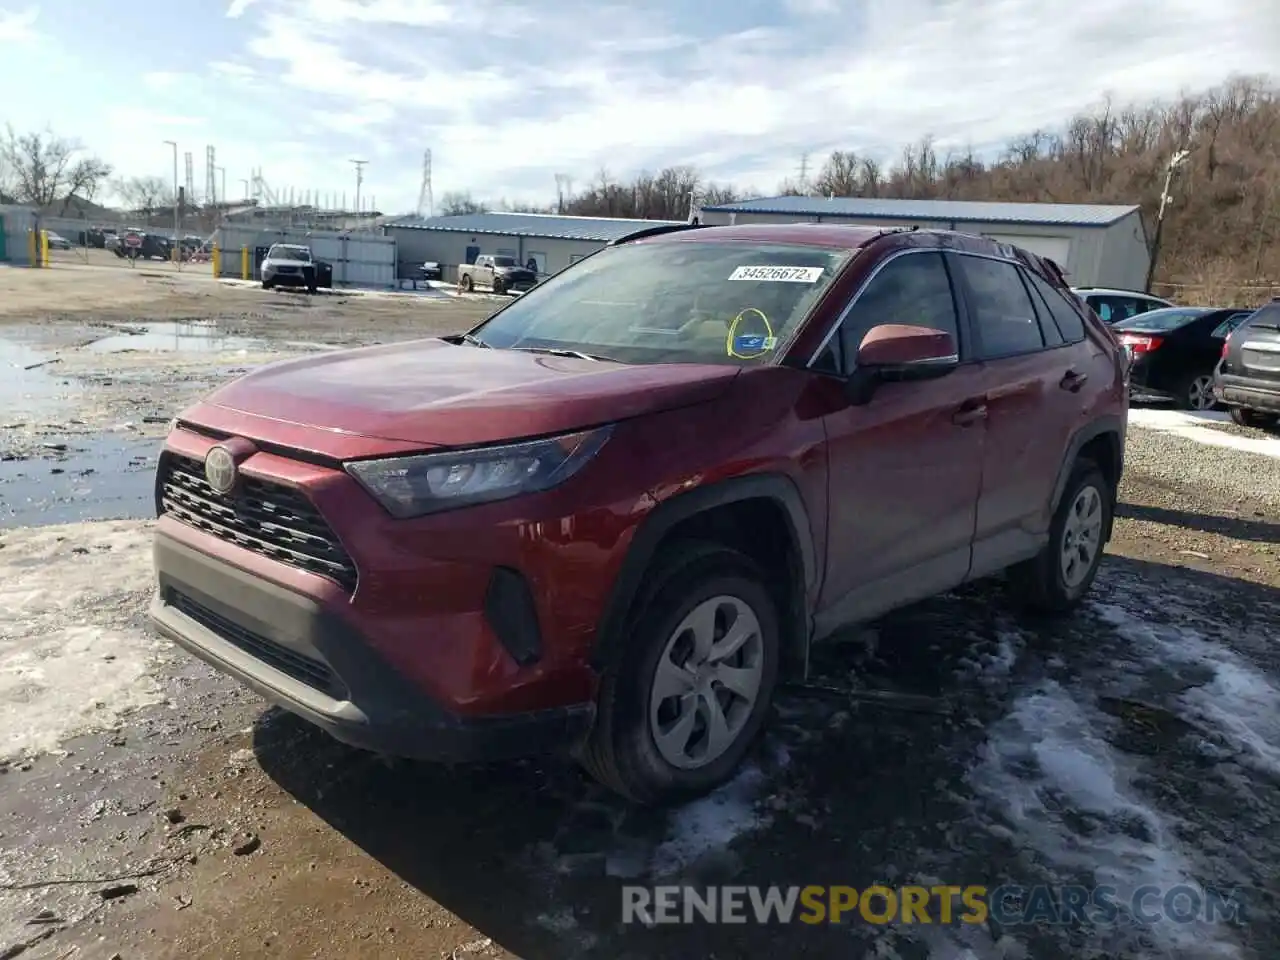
[[912, 289], [672, 302], [1003, 311]]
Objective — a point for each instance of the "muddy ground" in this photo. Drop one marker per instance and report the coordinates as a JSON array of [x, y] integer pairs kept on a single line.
[[149, 808]]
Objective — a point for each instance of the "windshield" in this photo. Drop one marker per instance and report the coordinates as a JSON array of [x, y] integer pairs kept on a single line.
[[1170, 318], [672, 302], [282, 252], [504, 261]]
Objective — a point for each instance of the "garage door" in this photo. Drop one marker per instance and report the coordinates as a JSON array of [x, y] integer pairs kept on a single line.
[[1057, 249]]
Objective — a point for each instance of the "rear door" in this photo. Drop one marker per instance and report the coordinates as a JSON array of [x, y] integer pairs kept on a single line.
[[1253, 352], [1035, 369]]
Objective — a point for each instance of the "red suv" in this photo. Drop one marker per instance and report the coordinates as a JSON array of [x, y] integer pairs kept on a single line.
[[613, 515]]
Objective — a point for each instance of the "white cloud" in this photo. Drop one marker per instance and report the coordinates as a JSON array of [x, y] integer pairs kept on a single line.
[[507, 99], [18, 27]]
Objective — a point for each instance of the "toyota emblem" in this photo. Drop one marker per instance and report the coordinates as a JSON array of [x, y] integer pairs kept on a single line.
[[220, 470]]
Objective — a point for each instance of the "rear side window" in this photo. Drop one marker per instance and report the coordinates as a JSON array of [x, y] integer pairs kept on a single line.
[[1228, 326], [1113, 309], [911, 289], [1065, 317], [1002, 307], [1268, 316]]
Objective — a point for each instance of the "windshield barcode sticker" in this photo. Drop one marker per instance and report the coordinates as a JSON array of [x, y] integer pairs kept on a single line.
[[778, 274]]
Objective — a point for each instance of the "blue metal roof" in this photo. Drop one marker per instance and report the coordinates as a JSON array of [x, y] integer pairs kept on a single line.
[[949, 211], [601, 229]]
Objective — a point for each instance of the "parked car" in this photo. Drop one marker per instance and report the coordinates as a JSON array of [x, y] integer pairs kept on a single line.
[[1114, 305], [1173, 351], [430, 270], [501, 274], [154, 246], [1248, 375], [611, 517], [57, 241], [289, 265]]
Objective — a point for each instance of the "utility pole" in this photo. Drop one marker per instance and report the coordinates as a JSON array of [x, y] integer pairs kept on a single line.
[[426, 199], [177, 217], [359, 165], [1177, 160]]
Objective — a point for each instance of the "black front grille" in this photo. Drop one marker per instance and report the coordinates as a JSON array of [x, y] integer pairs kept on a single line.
[[272, 519], [308, 671]]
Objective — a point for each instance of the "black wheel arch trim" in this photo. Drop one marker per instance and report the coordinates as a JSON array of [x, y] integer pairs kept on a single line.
[[1111, 426], [666, 515]]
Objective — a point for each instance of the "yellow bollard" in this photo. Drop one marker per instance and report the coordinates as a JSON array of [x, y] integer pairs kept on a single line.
[[44, 248], [216, 259], [244, 263]]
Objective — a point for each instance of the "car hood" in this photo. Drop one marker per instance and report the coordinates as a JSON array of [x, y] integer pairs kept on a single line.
[[279, 262], [435, 393]]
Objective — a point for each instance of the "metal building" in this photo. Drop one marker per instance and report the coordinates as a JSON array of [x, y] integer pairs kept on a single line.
[[552, 242], [16, 223], [1096, 245]]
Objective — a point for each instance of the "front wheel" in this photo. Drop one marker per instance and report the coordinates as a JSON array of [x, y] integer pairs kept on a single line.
[[679, 711], [1056, 579]]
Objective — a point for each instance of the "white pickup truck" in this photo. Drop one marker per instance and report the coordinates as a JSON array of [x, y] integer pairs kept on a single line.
[[500, 274]]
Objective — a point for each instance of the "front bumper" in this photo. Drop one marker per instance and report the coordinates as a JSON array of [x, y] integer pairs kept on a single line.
[[289, 279], [295, 653]]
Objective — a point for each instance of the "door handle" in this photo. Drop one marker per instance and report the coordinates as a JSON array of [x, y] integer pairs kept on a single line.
[[970, 412], [1073, 381]]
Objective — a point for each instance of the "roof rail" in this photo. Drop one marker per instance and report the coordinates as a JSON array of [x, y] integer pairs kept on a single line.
[[654, 231]]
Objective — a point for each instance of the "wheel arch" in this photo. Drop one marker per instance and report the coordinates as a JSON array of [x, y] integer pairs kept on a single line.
[[1102, 440], [699, 513]]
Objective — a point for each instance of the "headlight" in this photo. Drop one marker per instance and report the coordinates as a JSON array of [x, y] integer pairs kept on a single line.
[[414, 486]]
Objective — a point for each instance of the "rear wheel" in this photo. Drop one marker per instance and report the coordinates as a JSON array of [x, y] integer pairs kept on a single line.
[[468, 284], [1195, 392], [266, 284], [1057, 578], [679, 711], [1253, 418]]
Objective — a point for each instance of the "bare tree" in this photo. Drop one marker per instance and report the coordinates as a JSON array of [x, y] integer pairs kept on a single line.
[[145, 195], [839, 175], [457, 202], [47, 171]]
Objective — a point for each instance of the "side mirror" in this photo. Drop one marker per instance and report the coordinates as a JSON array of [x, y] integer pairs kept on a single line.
[[897, 352]]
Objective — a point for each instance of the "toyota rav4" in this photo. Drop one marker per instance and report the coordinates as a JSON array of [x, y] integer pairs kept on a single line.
[[613, 516]]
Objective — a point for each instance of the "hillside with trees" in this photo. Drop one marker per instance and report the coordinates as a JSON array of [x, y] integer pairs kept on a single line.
[[1221, 225]]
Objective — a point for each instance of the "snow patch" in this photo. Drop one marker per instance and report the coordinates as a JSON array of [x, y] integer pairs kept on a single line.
[[1239, 703], [1191, 426], [71, 662], [1045, 771]]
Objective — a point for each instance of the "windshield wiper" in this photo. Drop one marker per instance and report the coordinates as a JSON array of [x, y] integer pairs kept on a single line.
[[474, 341], [563, 352]]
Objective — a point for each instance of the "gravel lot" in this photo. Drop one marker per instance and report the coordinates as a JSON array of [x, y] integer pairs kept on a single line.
[[149, 808]]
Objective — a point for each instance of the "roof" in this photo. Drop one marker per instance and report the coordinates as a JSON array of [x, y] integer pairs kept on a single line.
[[838, 236], [602, 229], [949, 211]]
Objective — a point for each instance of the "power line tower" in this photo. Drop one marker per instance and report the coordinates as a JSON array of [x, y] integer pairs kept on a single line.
[[804, 172], [426, 200], [359, 165], [190, 178], [564, 190], [210, 176]]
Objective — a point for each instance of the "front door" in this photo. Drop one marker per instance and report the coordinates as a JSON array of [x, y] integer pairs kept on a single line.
[[904, 468]]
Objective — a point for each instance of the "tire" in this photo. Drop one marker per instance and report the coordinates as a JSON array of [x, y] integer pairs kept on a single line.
[[621, 751], [468, 285], [311, 288], [1195, 392], [499, 287], [1245, 417], [266, 284], [1040, 584]]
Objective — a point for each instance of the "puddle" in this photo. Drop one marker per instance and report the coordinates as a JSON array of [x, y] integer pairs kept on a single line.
[[171, 337], [29, 382], [93, 478]]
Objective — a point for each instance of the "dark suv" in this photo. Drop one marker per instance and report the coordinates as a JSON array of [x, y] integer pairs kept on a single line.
[[613, 515], [1248, 375]]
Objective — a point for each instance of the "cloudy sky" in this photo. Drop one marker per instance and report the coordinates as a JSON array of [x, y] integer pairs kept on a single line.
[[509, 93]]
